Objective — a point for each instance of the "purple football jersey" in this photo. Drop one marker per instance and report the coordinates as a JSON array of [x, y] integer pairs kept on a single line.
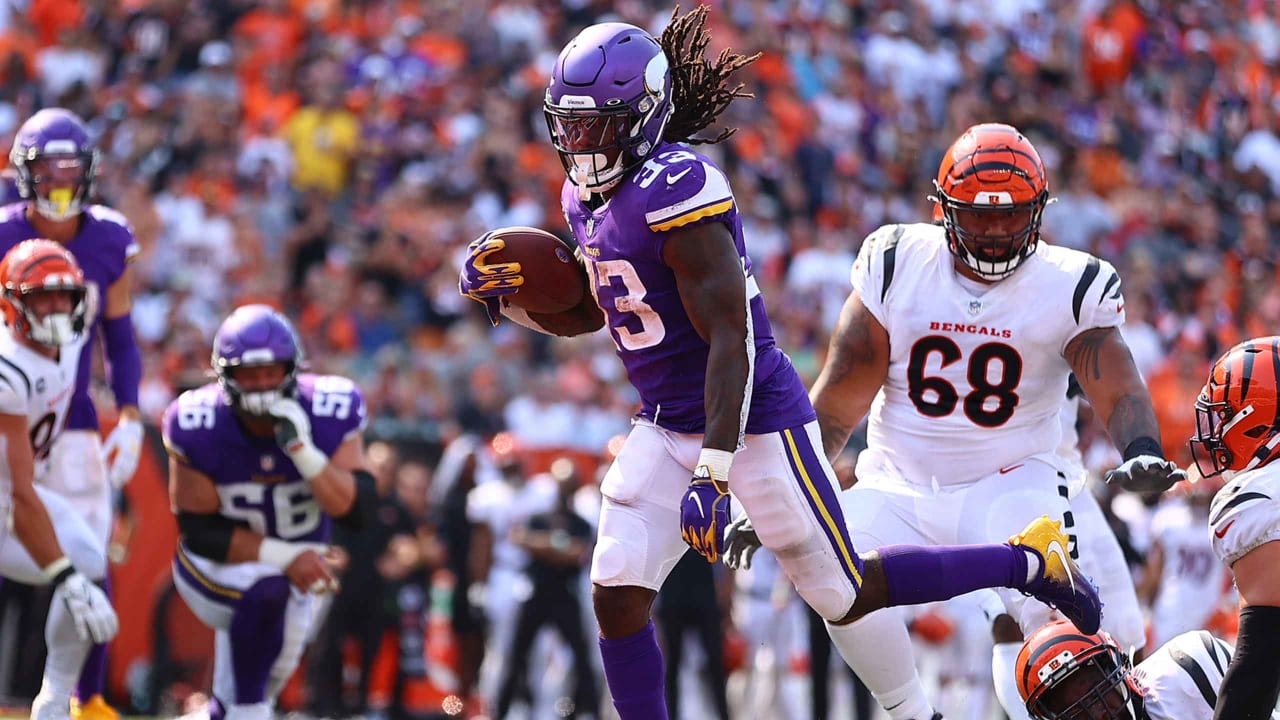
[[665, 358], [103, 247], [257, 482]]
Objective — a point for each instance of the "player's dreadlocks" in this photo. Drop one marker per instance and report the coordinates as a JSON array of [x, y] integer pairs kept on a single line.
[[699, 87]]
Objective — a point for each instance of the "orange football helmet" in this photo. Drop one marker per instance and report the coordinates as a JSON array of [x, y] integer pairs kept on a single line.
[[991, 193], [1237, 425], [41, 266], [1065, 675]]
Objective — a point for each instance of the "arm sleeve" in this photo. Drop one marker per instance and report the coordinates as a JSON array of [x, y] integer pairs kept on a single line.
[[124, 359]]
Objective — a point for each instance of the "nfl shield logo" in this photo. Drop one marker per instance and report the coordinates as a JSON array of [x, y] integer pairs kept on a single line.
[[591, 226], [268, 463], [975, 307]]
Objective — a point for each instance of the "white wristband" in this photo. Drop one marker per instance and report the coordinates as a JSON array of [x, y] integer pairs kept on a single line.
[[55, 568], [281, 553], [309, 460], [717, 463]]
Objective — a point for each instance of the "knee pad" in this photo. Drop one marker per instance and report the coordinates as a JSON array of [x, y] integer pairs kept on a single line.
[[818, 579]]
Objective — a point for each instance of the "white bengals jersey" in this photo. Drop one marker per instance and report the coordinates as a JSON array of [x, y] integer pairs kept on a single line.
[[977, 375], [1192, 580], [39, 388], [1180, 681]]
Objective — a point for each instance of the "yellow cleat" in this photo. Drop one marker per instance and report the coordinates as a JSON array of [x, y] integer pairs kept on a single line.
[[96, 709], [1060, 583]]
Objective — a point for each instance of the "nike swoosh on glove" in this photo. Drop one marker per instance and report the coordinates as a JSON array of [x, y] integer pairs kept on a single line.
[[704, 516], [1147, 473], [486, 282], [89, 608], [740, 543], [125, 442]]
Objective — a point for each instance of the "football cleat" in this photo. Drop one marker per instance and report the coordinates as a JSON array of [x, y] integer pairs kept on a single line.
[[1060, 585], [96, 709]]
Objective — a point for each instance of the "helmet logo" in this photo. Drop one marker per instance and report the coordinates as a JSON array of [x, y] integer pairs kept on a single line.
[[61, 146], [997, 197], [577, 101], [655, 75]]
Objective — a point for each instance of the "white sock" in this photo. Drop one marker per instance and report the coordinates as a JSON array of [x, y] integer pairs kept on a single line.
[[251, 711], [1004, 657], [878, 649], [66, 656], [1034, 565]]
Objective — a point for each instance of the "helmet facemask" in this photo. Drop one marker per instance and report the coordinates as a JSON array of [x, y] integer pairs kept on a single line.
[[53, 329], [994, 237], [255, 402], [59, 184], [1210, 446], [1095, 685]]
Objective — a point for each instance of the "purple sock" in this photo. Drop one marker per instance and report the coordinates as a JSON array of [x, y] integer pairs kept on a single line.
[[633, 668], [93, 674], [257, 634], [918, 574]]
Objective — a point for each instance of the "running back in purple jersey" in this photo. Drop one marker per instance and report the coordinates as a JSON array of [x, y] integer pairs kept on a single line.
[[255, 479], [103, 247], [664, 356]]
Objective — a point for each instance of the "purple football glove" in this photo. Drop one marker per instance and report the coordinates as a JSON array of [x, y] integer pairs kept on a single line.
[[485, 282], [704, 515]]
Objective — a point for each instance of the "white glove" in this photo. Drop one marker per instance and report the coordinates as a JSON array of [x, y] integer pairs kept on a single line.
[[1147, 473], [740, 543], [94, 618], [125, 441], [293, 435]]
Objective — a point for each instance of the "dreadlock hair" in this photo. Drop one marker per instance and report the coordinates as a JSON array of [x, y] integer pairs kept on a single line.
[[699, 87]]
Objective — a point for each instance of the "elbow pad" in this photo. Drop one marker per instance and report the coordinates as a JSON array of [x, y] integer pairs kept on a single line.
[[362, 506], [207, 534]]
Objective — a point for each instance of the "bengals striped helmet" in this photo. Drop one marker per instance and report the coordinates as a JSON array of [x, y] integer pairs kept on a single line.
[[1237, 427], [35, 267], [1065, 675], [991, 192]]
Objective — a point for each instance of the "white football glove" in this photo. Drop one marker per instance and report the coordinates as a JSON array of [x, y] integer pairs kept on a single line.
[[125, 442], [93, 615], [1146, 474], [740, 543], [293, 435]]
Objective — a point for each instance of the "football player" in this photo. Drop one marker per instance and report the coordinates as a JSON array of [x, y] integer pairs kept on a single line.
[[958, 339], [56, 164], [662, 250], [1063, 675], [42, 296], [259, 464], [1237, 436]]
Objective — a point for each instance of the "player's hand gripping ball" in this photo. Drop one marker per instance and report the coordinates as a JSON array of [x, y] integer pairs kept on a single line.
[[522, 266]]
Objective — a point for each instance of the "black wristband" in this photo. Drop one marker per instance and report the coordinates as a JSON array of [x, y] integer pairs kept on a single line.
[[1143, 446], [67, 572]]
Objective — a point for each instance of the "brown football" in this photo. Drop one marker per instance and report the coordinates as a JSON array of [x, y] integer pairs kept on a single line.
[[553, 280]]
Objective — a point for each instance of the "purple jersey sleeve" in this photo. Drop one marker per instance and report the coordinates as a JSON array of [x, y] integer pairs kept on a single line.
[[188, 427], [336, 409], [683, 190]]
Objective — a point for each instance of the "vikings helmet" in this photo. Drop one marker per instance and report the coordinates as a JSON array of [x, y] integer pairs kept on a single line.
[[608, 103], [56, 163], [256, 335], [1063, 674], [41, 266]]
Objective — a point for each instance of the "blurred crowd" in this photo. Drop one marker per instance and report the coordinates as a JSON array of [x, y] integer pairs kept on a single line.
[[334, 157]]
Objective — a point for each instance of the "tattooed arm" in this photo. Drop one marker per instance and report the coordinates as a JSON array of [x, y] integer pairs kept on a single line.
[[857, 365], [1104, 367]]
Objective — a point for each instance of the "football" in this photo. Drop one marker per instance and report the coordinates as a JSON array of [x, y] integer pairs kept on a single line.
[[553, 280]]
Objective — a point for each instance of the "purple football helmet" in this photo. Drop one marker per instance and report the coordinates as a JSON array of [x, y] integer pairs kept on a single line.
[[608, 103], [56, 163], [256, 335]]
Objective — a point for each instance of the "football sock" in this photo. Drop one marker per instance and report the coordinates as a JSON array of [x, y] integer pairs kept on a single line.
[[257, 634], [878, 649], [1252, 682], [1004, 657], [66, 654], [94, 673], [633, 669], [918, 574]]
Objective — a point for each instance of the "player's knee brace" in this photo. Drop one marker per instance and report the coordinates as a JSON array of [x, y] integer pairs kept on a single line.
[[822, 585], [1251, 685]]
